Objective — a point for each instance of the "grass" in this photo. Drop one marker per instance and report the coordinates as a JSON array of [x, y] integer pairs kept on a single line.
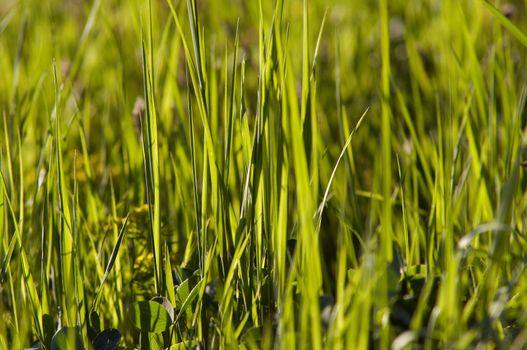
[[254, 174]]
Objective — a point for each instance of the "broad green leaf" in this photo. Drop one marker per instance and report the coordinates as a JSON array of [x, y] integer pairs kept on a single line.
[[166, 304], [150, 316], [182, 291], [190, 298], [151, 341]]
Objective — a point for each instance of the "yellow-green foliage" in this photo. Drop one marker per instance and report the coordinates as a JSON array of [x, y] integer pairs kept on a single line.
[[339, 174]]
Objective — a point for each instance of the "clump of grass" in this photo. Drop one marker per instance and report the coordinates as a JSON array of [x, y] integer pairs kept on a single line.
[[178, 174]]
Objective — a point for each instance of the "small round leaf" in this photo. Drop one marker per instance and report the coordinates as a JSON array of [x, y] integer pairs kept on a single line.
[[107, 340]]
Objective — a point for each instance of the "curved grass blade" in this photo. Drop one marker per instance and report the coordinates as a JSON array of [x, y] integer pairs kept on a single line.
[[111, 262], [504, 21]]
